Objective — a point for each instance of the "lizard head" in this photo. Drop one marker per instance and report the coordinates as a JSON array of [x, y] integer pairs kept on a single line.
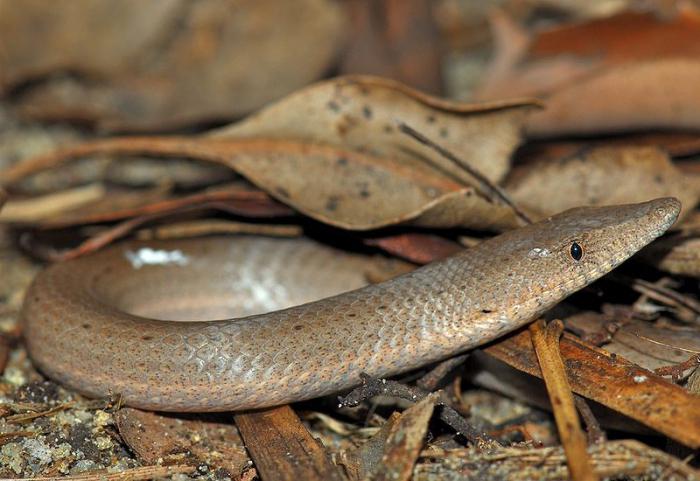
[[544, 262]]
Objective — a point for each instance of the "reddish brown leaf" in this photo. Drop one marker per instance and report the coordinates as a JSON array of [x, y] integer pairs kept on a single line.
[[614, 382]]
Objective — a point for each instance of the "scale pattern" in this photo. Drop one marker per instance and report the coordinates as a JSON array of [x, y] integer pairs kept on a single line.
[[90, 323]]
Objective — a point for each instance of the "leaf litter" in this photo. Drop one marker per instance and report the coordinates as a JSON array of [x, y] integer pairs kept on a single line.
[[332, 152]]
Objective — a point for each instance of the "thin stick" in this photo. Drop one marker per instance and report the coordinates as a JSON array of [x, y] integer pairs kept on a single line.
[[134, 474], [492, 190], [545, 339]]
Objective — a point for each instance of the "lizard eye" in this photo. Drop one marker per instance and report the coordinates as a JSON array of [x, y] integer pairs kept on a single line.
[[576, 251]]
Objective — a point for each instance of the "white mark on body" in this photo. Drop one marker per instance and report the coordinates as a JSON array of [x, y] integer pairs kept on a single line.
[[538, 252], [640, 378], [155, 257]]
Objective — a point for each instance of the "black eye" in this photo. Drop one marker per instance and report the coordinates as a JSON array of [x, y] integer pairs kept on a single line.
[[576, 251]]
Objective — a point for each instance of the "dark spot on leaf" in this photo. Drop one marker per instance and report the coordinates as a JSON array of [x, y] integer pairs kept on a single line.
[[352, 314], [333, 105], [86, 326], [364, 193], [486, 311], [388, 129], [367, 112], [658, 179], [283, 192], [443, 133], [332, 203], [147, 338], [342, 161], [298, 327], [431, 119]]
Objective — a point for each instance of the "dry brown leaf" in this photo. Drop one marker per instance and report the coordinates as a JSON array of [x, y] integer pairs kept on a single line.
[[182, 61], [361, 112], [156, 438], [614, 382], [416, 247], [675, 144], [601, 176], [638, 96], [405, 440], [631, 71], [623, 37]]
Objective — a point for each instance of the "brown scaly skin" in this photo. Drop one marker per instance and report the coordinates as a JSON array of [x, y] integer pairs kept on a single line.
[[78, 331]]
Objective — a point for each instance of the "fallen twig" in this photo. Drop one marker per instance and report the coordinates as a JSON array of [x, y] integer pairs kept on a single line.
[[282, 448], [373, 387], [545, 339], [135, 474]]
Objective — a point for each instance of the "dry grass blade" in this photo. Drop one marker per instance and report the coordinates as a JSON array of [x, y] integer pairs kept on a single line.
[[49, 205], [545, 339], [26, 417], [114, 232], [4, 352], [612, 460], [196, 228], [666, 295], [135, 474]]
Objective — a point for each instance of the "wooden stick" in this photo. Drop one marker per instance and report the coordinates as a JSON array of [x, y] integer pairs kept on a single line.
[[282, 448]]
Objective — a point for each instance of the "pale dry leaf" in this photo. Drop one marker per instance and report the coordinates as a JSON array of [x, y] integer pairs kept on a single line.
[[361, 113], [340, 187], [601, 176]]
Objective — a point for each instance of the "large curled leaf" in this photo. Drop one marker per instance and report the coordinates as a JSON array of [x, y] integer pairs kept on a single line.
[[601, 176], [344, 188], [360, 113], [333, 152]]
